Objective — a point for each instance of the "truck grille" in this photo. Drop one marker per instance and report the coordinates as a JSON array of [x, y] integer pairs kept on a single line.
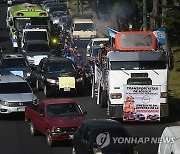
[[136, 75]]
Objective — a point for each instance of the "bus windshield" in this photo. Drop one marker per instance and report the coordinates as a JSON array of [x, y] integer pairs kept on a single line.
[[21, 22]]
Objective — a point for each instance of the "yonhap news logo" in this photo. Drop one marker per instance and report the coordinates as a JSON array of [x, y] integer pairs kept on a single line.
[[103, 140]]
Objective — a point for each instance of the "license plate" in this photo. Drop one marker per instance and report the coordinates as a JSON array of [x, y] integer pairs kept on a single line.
[[20, 109], [67, 89], [70, 136]]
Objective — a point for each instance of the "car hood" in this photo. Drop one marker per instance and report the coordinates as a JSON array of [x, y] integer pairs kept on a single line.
[[38, 53], [20, 97], [55, 18], [55, 75], [68, 121]]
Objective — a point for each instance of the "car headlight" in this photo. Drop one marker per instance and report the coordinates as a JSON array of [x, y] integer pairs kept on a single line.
[[36, 101], [55, 21], [56, 130], [28, 74], [97, 151], [79, 79], [29, 58], [51, 80], [93, 36], [4, 103], [75, 36]]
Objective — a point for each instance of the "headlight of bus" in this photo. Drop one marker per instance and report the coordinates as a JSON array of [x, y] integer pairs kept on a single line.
[[4, 103], [51, 80]]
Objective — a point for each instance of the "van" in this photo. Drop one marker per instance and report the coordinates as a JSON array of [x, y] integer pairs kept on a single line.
[[83, 29]]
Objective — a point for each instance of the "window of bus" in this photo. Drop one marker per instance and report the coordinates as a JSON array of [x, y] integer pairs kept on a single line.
[[21, 22]]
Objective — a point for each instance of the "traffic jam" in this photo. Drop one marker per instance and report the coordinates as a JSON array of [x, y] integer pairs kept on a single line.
[[125, 73]]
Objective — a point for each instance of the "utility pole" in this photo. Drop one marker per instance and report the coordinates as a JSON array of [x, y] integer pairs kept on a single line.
[[79, 7], [144, 14]]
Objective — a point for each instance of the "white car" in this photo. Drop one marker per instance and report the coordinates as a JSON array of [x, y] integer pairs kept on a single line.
[[170, 141], [15, 94]]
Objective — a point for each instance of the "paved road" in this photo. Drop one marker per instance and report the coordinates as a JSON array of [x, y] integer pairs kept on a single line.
[[15, 137]]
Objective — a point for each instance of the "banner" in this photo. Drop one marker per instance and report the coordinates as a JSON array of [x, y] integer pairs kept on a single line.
[[112, 32], [141, 103], [160, 35]]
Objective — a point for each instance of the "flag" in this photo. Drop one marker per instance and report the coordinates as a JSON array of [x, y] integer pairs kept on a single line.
[[112, 32], [160, 35]]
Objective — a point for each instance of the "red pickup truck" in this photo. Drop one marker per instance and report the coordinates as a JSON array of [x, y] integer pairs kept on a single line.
[[58, 119]]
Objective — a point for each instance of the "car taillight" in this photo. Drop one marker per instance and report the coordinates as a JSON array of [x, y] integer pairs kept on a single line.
[[164, 94], [115, 95]]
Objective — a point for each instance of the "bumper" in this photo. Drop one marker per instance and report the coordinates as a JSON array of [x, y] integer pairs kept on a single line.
[[60, 137], [54, 88], [116, 111], [8, 110]]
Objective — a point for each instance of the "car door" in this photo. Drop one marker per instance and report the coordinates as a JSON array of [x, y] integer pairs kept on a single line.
[[41, 73], [85, 142], [40, 121]]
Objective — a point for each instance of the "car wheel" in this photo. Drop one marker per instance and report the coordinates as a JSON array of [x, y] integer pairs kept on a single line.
[[74, 151], [103, 99], [46, 92], [49, 140], [33, 130]]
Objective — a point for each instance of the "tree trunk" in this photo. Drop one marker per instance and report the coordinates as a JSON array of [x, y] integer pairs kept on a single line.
[[164, 12], [154, 13]]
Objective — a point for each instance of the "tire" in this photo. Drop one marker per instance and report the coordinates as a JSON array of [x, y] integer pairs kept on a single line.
[[46, 92], [33, 130], [103, 99], [49, 140]]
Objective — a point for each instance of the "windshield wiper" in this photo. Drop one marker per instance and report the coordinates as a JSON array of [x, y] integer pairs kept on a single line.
[[155, 72], [124, 72]]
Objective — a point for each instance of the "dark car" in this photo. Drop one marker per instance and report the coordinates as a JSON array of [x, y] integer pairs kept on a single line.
[[98, 136], [58, 75], [16, 64]]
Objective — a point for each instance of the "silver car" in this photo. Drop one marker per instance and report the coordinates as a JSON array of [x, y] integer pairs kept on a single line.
[[15, 94]]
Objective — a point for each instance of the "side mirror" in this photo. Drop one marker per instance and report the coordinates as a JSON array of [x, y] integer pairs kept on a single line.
[[84, 113]]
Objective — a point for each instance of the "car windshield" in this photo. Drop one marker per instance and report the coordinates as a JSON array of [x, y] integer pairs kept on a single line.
[[84, 27], [38, 48], [35, 35], [53, 9], [14, 63], [14, 87], [62, 67], [97, 43], [65, 109], [59, 13], [141, 65]]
